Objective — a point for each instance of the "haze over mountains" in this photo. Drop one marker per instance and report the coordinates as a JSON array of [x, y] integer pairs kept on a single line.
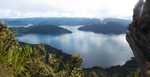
[[105, 26], [60, 21], [51, 21]]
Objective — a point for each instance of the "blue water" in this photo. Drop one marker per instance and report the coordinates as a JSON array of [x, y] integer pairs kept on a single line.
[[95, 49]]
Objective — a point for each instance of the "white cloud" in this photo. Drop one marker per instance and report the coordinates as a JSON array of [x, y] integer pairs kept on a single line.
[[69, 8]]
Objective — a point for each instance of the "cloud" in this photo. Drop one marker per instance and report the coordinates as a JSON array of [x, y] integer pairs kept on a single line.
[[69, 8]]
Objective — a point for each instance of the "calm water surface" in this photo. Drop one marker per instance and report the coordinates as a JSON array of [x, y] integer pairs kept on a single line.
[[95, 49]]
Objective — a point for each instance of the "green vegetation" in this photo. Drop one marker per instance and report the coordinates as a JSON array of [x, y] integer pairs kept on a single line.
[[26, 60]]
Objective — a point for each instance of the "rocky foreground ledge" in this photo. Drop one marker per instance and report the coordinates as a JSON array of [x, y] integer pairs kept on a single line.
[[138, 36]]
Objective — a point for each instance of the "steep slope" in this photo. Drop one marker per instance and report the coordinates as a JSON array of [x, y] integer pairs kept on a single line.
[[31, 60], [138, 36]]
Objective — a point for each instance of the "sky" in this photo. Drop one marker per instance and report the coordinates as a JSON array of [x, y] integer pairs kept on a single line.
[[66, 8]]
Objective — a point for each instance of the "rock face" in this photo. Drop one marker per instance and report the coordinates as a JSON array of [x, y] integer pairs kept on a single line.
[[138, 36]]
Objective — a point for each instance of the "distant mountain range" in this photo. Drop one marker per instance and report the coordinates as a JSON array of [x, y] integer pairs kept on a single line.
[[51, 21], [105, 26], [61, 21]]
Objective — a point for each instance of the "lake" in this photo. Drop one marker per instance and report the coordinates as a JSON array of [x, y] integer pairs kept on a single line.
[[95, 49]]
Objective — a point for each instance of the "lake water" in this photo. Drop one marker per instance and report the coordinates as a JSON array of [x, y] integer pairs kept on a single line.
[[95, 49]]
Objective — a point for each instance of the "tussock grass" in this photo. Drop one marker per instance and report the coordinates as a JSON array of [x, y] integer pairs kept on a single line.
[[27, 61]]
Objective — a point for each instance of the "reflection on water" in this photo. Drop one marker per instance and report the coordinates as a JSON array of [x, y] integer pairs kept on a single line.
[[95, 49]]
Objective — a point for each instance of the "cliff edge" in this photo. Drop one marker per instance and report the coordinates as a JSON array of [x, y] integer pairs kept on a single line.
[[138, 36]]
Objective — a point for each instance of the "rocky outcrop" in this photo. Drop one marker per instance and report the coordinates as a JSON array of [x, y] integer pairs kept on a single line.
[[138, 36]]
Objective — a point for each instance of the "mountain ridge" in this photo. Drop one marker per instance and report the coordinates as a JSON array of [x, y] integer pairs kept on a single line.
[[59, 21]]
